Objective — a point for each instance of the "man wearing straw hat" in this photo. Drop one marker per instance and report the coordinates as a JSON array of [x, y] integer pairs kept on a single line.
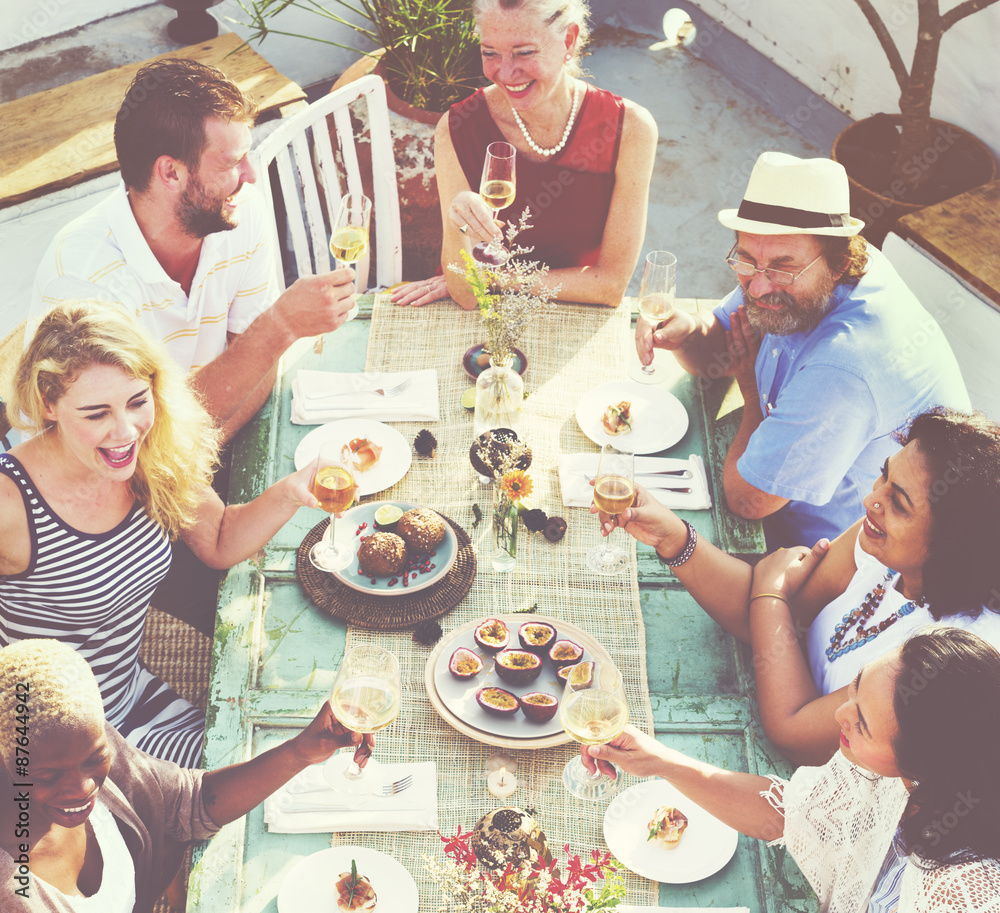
[[831, 350]]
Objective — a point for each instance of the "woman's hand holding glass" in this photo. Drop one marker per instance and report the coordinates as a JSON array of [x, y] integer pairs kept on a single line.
[[366, 697], [593, 710], [614, 491]]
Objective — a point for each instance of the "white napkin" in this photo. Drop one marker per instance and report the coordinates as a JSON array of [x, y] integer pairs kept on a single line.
[[629, 908], [414, 809], [576, 469], [325, 396]]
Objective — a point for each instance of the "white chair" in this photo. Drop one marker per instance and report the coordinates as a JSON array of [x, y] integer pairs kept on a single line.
[[306, 166]]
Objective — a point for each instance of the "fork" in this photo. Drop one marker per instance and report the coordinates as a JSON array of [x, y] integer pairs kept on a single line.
[[680, 491], [379, 391], [386, 789]]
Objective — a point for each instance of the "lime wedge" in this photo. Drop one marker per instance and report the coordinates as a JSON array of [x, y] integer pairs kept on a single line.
[[387, 516], [469, 399]]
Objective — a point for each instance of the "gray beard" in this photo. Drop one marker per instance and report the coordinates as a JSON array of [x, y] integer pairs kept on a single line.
[[794, 316]]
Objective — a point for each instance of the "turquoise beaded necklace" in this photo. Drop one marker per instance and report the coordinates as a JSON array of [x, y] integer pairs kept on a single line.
[[838, 646]]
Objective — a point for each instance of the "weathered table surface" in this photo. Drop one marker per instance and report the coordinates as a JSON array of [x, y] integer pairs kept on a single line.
[[275, 656], [65, 135]]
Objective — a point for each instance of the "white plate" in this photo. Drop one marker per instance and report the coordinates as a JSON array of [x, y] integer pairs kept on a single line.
[[658, 419], [309, 885], [459, 695], [346, 532], [706, 845], [392, 465]]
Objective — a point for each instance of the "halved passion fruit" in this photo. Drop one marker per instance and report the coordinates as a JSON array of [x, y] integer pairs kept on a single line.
[[581, 675], [565, 653], [496, 700], [518, 667], [562, 673], [492, 635], [536, 636], [539, 707], [464, 663]]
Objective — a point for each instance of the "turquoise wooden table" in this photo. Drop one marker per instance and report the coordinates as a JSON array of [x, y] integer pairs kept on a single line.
[[275, 656]]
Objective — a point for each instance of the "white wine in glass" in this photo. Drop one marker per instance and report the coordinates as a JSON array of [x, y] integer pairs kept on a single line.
[[333, 486], [593, 711], [614, 491], [349, 238], [657, 297], [498, 188], [366, 697]]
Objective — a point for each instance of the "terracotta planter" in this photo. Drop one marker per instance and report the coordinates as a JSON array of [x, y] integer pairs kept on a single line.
[[413, 148], [959, 161]]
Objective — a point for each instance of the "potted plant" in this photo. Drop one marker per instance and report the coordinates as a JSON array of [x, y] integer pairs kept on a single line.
[[427, 52], [902, 162]]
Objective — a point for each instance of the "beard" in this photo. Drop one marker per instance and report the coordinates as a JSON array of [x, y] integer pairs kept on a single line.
[[201, 214], [796, 315]]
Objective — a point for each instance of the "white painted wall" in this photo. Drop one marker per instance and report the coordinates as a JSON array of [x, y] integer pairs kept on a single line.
[[829, 46]]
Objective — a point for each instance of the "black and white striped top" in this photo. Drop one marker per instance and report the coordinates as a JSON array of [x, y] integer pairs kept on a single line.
[[92, 591]]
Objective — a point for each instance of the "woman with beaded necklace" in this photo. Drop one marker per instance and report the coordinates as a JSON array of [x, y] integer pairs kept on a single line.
[[927, 549], [584, 158]]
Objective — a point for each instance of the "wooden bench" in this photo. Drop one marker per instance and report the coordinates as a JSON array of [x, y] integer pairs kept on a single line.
[[963, 234], [65, 135]]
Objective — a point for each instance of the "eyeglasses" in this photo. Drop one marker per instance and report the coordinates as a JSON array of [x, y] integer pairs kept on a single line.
[[775, 276]]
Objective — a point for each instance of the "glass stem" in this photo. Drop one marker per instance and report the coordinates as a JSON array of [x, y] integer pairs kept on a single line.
[[328, 547], [608, 552]]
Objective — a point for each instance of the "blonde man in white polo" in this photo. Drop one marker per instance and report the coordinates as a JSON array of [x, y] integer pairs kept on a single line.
[[182, 242]]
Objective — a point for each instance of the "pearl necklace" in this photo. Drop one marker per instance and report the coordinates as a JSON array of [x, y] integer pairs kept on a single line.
[[569, 126], [860, 615]]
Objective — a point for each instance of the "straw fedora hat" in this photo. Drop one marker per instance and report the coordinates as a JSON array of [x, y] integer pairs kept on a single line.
[[790, 196]]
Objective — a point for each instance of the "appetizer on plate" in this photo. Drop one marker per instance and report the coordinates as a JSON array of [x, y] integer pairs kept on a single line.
[[666, 827], [382, 555], [616, 418], [422, 529], [361, 453], [354, 891]]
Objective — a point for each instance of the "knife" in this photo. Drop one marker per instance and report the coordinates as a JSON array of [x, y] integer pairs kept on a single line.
[[680, 473]]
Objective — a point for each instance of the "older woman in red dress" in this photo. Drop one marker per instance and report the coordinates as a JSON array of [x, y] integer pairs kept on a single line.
[[584, 158]]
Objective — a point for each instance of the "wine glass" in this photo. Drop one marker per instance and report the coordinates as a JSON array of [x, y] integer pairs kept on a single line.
[[365, 697], [497, 188], [349, 239], [657, 297], [333, 486], [593, 711], [614, 491]]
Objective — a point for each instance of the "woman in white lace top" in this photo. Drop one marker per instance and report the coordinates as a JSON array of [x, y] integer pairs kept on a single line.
[[927, 549], [906, 816]]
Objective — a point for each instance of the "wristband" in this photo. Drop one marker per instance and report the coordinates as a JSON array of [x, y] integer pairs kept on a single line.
[[689, 545]]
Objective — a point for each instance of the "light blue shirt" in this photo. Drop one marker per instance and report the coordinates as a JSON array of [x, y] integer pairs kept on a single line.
[[832, 397]]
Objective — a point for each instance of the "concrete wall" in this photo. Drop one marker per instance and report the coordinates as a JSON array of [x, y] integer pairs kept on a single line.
[[29, 20], [829, 47]]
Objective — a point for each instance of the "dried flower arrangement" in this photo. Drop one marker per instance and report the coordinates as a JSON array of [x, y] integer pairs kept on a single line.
[[506, 293], [535, 886]]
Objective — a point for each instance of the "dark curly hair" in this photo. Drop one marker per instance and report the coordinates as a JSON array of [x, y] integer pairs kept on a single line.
[[947, 704], [962, 454]]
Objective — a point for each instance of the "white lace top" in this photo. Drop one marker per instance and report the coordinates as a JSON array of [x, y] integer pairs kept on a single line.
[[829, 676], [839, 823]]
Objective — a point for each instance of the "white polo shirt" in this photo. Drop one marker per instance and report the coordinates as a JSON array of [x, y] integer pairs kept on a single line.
[[103, 254]]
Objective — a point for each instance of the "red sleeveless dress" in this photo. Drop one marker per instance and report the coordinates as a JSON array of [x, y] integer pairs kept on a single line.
[[569, 194]]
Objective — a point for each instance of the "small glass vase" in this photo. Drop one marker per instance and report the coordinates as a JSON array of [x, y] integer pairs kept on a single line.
[[499, 397], [505, 523]]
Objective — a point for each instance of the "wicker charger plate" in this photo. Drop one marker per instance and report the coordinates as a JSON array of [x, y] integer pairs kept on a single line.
[[382, 613]]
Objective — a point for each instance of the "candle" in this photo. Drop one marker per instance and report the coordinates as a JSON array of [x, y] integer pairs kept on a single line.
[[501, 783]]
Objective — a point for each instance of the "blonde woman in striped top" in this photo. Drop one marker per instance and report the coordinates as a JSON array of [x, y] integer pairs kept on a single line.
[[120, 464]]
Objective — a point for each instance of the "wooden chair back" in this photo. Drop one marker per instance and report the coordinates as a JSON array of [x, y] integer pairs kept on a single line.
[[309, 178]]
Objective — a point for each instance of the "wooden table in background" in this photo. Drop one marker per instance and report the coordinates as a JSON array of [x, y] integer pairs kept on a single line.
[[268, 636], [65, 135]]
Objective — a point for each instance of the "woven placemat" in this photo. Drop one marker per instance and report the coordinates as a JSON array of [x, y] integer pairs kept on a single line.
[[385, 613]]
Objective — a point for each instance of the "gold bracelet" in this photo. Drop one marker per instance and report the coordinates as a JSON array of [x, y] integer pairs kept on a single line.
[[772, 595]]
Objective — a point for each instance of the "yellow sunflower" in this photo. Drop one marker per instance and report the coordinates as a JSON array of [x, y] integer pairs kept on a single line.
[[517, 484]]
